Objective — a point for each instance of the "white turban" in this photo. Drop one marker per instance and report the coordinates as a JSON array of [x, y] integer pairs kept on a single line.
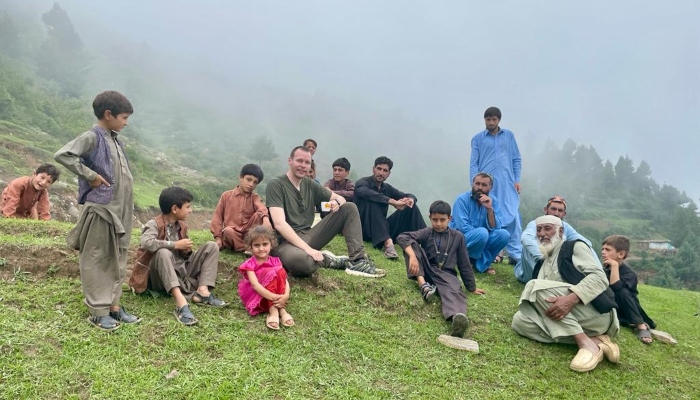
[[548, 219]]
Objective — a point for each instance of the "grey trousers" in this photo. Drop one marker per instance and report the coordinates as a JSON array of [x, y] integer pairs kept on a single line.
[[346, 221], [168, 271], [102, 264]]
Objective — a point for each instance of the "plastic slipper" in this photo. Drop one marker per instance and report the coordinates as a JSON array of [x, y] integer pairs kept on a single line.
[[210, 300], [663, 337], [643, 334], [272, 323]]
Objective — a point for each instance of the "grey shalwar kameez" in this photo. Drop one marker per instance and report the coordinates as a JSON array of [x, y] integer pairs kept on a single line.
[[103, 231]]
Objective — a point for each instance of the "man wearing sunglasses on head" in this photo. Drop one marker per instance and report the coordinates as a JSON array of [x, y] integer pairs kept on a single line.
[[556, 206]]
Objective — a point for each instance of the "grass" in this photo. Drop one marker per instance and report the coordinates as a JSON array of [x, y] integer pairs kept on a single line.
[[355, 338]]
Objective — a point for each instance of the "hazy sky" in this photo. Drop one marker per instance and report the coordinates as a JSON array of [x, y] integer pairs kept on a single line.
[[622, 76]]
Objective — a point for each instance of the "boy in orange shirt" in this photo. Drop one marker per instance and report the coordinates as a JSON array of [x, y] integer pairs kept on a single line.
[[239, 210], [28, 196]]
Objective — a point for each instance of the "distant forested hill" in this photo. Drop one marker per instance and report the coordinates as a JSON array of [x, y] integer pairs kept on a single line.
[[194, 129]]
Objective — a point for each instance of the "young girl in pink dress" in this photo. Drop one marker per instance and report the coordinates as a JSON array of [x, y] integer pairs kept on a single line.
[[264, 287]]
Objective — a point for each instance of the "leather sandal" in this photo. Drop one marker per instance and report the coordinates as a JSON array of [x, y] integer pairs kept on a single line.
[[208, 300], [185, 316]]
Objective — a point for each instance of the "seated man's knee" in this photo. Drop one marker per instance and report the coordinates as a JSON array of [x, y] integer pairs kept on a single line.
[[500, 235], [478, 235], [298, 263], [348, 207]]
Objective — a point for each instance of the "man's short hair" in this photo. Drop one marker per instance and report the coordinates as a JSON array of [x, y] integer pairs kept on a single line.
[[302, 148], [312, 141], [173, 196], [112, 101], [50, 170], [343, 163], [556, 199], [252, 169], [492, 112], [619, 243], [483, 175], [384, 160], [440, 207]]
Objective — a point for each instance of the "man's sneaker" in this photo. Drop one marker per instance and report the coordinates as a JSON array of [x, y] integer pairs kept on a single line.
[[332, 261], [364, 267], [390, 252], [104, 322], [125, 317], [460, 323]]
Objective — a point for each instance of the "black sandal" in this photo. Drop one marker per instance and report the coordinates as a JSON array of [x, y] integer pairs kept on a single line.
[[208, 300], [427, 291], [185, 316]]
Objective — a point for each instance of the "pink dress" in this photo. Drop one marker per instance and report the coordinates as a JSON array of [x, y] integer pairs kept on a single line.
[[270, 274]]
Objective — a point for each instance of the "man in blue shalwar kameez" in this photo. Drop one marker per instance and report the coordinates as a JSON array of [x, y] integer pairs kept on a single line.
[[495, 152], [477, 215]]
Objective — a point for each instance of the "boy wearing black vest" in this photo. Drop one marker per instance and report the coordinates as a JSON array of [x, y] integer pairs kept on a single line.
[[623, 282], [103, 231], [165, 262]]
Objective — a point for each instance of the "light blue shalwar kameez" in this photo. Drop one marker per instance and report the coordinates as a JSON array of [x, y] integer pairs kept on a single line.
[[471, 218], [499, 156]]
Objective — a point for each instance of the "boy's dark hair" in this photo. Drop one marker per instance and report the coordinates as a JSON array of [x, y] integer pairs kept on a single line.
[[252, 169], [343, 163], [492, 112], [294, 150], [114, 102], [258, 232], [313, 165], [440, 207], [173, 196], [312, 141], [619, 243], [49, 170], [384, 160]]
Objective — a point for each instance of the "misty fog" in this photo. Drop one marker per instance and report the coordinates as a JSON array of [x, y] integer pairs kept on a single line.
[[620, 76]]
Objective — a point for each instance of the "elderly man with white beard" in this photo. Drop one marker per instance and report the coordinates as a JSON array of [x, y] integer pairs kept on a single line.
[[569, 300]]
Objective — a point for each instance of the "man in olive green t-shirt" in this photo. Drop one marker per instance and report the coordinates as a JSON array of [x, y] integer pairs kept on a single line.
[[291, 199]]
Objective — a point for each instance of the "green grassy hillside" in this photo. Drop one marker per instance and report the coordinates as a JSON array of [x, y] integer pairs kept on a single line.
[[355, 338]]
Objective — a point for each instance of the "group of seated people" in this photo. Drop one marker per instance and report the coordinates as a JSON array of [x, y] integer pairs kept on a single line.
[[568, 296]]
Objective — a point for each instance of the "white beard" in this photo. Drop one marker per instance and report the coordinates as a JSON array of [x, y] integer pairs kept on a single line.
[[547, 249]]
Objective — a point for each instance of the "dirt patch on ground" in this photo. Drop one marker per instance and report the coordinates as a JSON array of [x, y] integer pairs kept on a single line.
[[22, 262], [32, 263]]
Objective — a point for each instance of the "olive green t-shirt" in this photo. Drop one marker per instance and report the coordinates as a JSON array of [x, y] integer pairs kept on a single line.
[[298, 205]]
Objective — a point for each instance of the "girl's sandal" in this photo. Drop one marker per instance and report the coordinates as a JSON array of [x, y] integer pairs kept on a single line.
[[287, 320], [272, 323]]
